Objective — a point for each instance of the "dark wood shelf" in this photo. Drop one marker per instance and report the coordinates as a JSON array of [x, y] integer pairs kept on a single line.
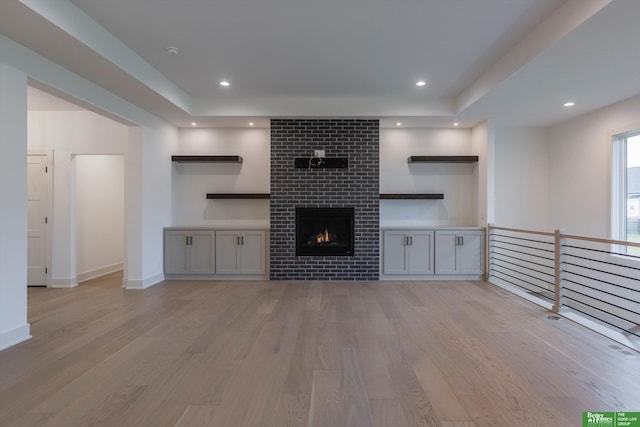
[[206, 159], [426, 196], [443, 159], [238, 195]]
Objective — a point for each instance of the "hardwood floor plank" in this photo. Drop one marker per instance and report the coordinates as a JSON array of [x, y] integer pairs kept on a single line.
[[277, 354]]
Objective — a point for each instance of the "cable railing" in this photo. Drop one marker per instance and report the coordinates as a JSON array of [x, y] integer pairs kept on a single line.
[[593, 281]]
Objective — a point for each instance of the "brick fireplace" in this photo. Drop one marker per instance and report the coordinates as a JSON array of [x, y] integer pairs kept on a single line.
[[355, 187]]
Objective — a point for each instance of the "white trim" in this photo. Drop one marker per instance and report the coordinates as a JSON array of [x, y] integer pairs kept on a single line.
[[99, 272], [15, 336], [143, 284], [601, 329], [71, 282], [430, 277], [519, 292]]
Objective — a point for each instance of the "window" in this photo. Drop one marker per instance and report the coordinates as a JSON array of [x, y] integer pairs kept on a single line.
[[626, 189]]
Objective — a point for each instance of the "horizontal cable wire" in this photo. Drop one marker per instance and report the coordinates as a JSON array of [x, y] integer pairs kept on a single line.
[[522, 246], [600, 261], [522, 238], [602, 281], [517, 278], [602, 311], [604, 321], [499, 256], [524, 274], [602, 251], [596, 289], [526, 253], [608, 303], [600, 271]]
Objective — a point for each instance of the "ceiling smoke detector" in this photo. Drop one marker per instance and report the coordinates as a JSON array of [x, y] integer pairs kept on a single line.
[[172, 50]]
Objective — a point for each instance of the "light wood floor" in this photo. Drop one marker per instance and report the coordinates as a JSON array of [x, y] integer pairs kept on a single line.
[[306, 354]]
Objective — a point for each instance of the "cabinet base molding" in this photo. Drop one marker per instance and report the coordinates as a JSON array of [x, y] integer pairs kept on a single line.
[[431, 277], [215, 277]]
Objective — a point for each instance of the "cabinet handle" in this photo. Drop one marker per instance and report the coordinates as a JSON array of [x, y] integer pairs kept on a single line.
[[238, 240], [410, 240], [461, 240], [242, 240], [187, 244], [190, 240]]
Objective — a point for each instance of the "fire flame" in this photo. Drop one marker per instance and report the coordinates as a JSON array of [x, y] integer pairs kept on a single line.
[[323, 237]]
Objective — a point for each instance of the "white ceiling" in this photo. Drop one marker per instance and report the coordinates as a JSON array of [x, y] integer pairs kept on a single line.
[[511, 61]]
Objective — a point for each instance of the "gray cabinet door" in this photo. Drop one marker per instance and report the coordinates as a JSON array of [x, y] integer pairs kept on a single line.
[[176, 250], [252, 252], [227, 252], [470, 260], [446, 252], [394, 256], [201, 252], [420, 252]]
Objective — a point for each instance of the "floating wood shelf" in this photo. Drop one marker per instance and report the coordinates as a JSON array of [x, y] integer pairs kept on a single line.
[[238, 195], [206, 159], [321, 163], [443, 159], [427, 196]]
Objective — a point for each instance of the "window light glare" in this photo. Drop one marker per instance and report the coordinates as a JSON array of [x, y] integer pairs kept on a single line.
[[421, 83], [225, 83], [569, 104]]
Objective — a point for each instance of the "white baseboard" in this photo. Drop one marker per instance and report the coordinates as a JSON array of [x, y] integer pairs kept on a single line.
[[98, 272], [519, 292], [143, 284], [71, 282], [15, 336]]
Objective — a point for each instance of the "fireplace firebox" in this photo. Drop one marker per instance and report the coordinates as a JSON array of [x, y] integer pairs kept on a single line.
[[324, 231]]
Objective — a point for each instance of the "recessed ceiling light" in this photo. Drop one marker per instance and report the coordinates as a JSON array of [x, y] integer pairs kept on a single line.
[[250, 123], [193, 123], [224, 83], [398, 123], [569, 104], [456, 124], [421, 83]]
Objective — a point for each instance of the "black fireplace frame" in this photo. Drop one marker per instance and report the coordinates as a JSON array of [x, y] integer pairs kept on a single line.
[[302, 250]]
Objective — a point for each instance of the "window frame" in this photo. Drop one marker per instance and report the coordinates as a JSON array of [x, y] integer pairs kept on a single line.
[[619, 185]]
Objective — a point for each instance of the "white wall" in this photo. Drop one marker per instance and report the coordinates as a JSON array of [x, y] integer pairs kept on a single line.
[[13, 214], [68, 133], [521, 178], [148, 138], [99, 202], [483, 145], [580, 165], [191, 182], [456, 181]]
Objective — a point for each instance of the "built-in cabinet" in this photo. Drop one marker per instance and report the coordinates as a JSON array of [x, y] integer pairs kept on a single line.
[[459, 251], [209, 252], [189, 251], [433, 252], [408, 251], [240, 252]]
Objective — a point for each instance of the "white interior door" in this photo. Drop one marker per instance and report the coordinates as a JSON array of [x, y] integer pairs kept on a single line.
[[37, 203]]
